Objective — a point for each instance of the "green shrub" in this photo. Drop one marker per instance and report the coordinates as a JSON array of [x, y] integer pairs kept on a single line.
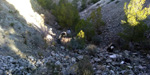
[[12, 24], [94, 1], [81, 38], [96, 40], [92, 49], [134, 27], [67, 15], [81, 35], [89, 31], [85, 67], [96, 19], [80, 26], [54, 69], [76, 44], [83, 5], [75, 3], [134, 33], [87, 27], [47, 4]]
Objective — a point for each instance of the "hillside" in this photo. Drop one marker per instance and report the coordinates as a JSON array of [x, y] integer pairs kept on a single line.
[[22, 28], [30, 34]]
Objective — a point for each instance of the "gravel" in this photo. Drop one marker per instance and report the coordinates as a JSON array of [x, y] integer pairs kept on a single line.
[[107, 63]]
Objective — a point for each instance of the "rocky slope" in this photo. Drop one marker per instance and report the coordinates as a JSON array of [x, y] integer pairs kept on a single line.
[[64, 62], [23, 51], [112, 12], [23, 27]]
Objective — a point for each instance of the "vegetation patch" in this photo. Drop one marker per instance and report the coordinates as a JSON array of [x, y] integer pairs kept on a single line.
[[85, 67], [91, 49], [47, 4], [67, 15], [134, 27]]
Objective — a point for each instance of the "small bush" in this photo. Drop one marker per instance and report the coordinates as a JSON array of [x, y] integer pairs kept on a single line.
[[81, 35], [91, 49], [78, 42], [85, 67], [74, 44], [47, 4], [75, 3], [54, 69], [134, 27], [96, 40], [94, 1], [12, 24], [67, 15], [96, 19], [81, 24], [81, 38], [87, 27], [83, 5], [134, 33]]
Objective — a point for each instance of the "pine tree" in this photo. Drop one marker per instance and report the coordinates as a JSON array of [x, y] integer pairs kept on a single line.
[[47, 4], [96, 19], [67, 15]]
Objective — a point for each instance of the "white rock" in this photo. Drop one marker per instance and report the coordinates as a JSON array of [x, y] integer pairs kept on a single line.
[[61, 55], [58, 63], [69, 32], [113, 56], [126, 52], [73, 59], [31, 58], [141, 67], [92, 61], [122, 62], [28, 73], [48, 38], [62, 47], [51, 32], [98, 72], [112, 72], [109, 60], [97, 59], [64, 59], [52, 53], [94, 68], [57, 55], [148, 56], [130, 67], [80, 57], [38, 63], [21, 68], [123, 71]]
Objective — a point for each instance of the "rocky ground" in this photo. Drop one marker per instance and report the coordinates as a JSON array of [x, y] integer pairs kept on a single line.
[[64, 62], [24, 52]]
